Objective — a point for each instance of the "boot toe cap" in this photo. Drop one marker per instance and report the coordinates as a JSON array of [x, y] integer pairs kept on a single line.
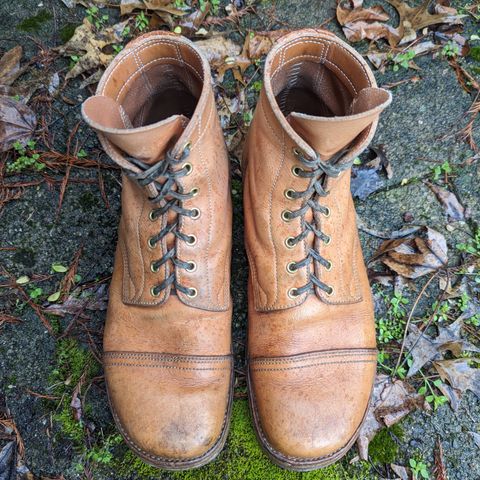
[[309, 407], [170, 413]]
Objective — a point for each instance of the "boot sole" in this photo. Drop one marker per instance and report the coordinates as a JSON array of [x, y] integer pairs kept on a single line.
[[180, 464], [297, 464]]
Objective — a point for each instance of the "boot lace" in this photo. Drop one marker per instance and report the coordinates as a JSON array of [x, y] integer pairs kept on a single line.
[[318, 171], [170, 196]]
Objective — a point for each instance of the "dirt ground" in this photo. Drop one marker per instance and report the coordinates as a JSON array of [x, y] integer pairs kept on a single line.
[[418, 134]]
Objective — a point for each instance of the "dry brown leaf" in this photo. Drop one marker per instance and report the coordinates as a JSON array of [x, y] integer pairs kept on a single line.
[[413, 19], [369, 23], [454, 209], [348, 13], [414, 256], [259, 43], [17, 122], [10, 66], [459, 374], [424, 348], [223, 54], [191, 23], [89, 45], [392, 400], [166, 6]]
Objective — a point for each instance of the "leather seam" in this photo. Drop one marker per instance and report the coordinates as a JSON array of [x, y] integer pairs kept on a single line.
[[297, 367], [171, 367], [306, 356]]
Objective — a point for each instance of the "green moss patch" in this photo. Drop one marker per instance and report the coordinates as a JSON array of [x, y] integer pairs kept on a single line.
[[35, 23], [384, 447]]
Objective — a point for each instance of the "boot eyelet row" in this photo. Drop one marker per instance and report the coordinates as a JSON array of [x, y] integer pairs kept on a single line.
[[287, 216], [291, 268], [289, 193]]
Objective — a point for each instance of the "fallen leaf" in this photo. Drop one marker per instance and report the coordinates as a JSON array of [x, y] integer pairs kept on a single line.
[[191, 23], [76, 404], [88, 45], [10, 66], [424, 348], [361, 23], [223, 54], [400, 471], [17, 123], [259, 44], [416, 256], [440, 470], [364, 182], [127, 6], [459, 374], [8, 461], [413, 19], [454, 209], [391, 401]]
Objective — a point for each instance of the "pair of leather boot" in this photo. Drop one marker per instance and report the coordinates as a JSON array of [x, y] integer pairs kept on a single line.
[[311, 336]]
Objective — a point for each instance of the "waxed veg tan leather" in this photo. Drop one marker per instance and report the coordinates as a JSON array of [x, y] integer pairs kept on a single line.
[[167, 357], [312, 356]]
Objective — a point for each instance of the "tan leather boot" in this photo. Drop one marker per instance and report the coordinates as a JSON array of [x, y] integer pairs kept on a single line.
[[311, 333], [168, 363]]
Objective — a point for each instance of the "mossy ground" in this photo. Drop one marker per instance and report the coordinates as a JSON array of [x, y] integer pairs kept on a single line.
[[242, 459]]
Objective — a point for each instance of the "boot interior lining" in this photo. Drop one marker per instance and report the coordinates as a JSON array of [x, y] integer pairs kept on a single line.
[[160, 91], [311, 88]]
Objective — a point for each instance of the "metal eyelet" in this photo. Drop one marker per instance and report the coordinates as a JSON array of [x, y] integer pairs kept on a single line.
[[326, 213], [330, 291], [293, 293], [296, 170], [289, 193], [289, 242], [189, 167], [194, 191], [327, 240], [287, 216], [196, 213], [329, 266], [192, 240], [154, 292], [187, 146], [152, 216], [193, 293], [291, 267], [154, 267], [192, 266], [151, 242]]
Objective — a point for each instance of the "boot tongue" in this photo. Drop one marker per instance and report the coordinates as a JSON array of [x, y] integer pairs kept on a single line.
[[328, 135], [148, 144]]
